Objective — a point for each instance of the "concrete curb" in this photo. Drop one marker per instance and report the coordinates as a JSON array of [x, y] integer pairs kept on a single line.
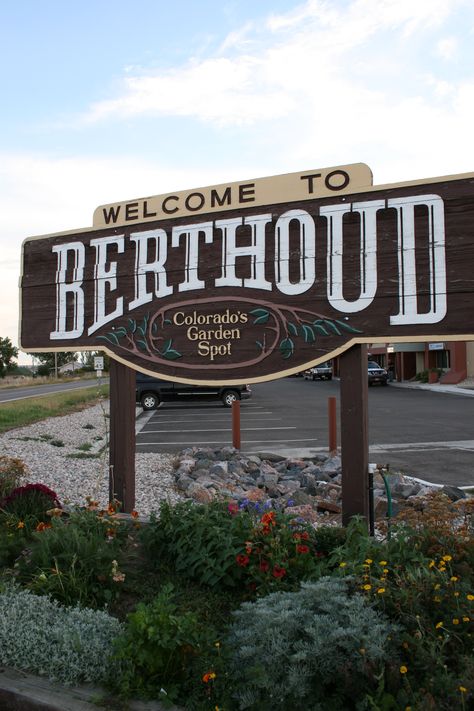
[[21, 691]]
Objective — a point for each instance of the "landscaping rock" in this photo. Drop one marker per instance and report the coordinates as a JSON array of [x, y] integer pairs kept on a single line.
[[453, 492], [312, 485]]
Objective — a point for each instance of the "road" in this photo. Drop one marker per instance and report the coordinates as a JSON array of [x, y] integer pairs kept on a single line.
[[422, 433], [21, 393]]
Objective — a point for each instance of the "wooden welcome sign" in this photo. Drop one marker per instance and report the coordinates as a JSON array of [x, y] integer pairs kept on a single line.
[[250, 281]]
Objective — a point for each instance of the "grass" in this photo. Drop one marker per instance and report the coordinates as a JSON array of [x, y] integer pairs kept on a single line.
[[26, 412]]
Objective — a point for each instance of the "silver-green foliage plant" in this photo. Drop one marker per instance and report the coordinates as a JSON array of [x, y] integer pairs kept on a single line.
[[66, 644], [318, 648]]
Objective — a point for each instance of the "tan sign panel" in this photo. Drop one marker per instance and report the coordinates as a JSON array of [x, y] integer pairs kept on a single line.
[[257, 291], [320, 182]]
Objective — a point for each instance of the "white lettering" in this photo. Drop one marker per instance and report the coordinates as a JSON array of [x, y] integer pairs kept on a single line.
[[307, 257], [73, 288], [160, 242], [368, 253], [407, 290], [103, 277], [191, 235], [256, 252]]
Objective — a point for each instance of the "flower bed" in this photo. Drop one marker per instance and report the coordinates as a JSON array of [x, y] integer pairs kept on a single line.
[[232, 605]]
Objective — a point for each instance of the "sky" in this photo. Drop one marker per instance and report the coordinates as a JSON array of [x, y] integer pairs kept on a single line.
[[107, 100]]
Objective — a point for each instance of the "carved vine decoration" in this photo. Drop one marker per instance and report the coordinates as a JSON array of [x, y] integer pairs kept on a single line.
[[283, 324]]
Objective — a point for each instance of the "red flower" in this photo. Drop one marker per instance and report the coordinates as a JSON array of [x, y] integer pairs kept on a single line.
[[233, 508], [268, 519], [242, 560], [278, 572], [264, 566], [302, 549]]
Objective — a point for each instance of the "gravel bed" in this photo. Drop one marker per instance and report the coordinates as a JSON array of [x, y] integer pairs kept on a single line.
[[52, 451]]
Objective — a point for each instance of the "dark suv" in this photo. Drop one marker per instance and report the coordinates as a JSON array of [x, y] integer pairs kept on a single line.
[[151, 391], [376, 373]]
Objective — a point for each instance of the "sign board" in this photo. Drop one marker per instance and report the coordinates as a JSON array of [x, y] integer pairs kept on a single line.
[[98, 362], [435, 346], [255, 280]]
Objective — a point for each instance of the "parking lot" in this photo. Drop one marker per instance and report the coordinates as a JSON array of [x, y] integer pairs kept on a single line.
[[423, 433]]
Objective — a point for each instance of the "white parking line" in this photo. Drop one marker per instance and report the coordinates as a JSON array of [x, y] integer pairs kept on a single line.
[[225, 429], [247, 441]]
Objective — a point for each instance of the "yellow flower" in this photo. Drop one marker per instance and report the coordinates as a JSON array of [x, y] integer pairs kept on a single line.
[[437, 598], [470, 597], [362, 650], [431, 564], [447, 557], [403, 669], [20, 524], [466, 619], [437, 586], [438, 625], [455, 621], [462, 689], [208, 676], [454, 578], [368, 560], [383, 562], [217, 644], [342, 565], [456, 594], [380, 591], [385, 570], [407, 708], [366, 587]]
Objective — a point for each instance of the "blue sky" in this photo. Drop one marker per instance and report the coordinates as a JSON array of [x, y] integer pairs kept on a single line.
[[108, 100]]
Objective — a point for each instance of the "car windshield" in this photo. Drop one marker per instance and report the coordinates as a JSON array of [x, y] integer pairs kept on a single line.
[[373, 364]]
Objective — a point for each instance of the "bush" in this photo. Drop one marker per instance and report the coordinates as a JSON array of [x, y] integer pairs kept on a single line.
[[75, 560], [30, 503], [70, 645], [318, 648], [156, 649], [230, 544], [202, 541]]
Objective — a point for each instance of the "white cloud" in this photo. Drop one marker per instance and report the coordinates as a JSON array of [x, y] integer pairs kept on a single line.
[[447, 48]]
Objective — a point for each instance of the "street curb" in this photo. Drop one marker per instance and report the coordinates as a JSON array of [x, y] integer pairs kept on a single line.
[[21, 691]]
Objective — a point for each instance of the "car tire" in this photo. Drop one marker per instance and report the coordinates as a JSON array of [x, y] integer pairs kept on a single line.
[[229, 396], [150, 401]]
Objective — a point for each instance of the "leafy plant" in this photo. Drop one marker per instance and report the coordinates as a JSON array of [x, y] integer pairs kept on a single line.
[[155, 649], [70, 645], [202, 541], [30, 503], [75, 560], [316, 648]]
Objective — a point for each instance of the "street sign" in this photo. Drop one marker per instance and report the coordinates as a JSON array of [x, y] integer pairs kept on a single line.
[[98, 362]]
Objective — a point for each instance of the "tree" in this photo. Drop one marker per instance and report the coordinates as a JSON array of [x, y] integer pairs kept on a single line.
[[8, 353], [49, 360]]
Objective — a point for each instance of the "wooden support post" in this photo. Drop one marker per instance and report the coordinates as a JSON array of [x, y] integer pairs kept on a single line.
[[122, 435], [332, 425], [354, 433], [236, 424]]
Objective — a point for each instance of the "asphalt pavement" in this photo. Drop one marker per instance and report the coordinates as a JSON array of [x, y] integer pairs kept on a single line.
[[428, 435]]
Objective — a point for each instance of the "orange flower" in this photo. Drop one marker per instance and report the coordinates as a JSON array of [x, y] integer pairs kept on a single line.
[[208, 676], [134, 514], [42, 526], [268, 519], [302, 549]]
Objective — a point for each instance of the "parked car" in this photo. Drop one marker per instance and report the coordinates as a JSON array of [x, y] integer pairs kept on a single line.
[[376, 373], [151, 391], [323, 371]]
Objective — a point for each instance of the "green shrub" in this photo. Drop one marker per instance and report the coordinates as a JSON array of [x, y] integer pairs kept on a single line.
[[202, 541], [156, 649], [76, 560], [70, 645], [318, 648], [29, 504], [227, 544]]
